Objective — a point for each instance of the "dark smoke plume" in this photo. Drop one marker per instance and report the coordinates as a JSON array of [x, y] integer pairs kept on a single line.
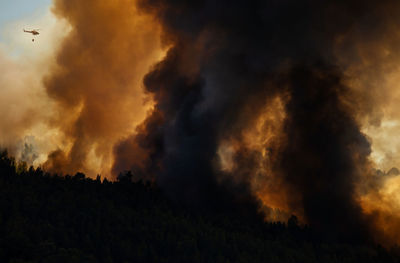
[[227, 61], [325, 154]]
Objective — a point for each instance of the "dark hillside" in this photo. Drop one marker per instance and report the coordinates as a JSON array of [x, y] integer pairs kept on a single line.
[[49, 218]]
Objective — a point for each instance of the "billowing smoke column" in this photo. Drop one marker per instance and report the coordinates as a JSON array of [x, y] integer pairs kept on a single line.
[[255, 103], [97, 81], [228, 61], [324, 154]]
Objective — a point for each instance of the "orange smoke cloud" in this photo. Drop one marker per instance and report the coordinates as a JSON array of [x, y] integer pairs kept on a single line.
[[97, 82], [371, 63], [219, 112], [261, 140], [382, 203]]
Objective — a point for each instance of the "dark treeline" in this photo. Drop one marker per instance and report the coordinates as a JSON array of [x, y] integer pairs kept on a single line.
[[51, 218]]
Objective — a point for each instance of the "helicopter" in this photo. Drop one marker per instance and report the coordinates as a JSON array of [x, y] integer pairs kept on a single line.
[[34, 32]]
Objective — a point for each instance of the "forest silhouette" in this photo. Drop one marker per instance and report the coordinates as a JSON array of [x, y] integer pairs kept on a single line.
[[52, 218]]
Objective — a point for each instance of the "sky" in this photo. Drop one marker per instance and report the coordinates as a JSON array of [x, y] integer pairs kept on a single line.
[[11, 10], [18, 14], [23, 64]]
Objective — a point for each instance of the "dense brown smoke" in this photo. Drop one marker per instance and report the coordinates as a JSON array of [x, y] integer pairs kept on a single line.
[[256, 106], [324, 154], [228, 62], [369, 54], [98, 78]]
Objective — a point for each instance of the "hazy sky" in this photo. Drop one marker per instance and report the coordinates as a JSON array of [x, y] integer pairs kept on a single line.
[[11, 10], [16, 15]]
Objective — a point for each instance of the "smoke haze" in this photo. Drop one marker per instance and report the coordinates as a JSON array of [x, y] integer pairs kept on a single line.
[[24, 107], [252, 107]]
